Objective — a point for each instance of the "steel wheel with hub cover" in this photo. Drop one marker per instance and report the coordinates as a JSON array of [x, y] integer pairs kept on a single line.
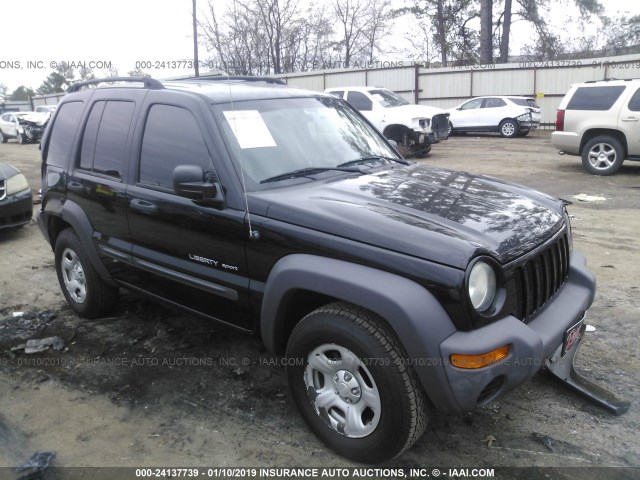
[[352, 384], [86, 292], [509, 128], [602, 155]]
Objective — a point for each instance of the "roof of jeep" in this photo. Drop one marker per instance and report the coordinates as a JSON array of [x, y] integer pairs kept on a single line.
[[223, 90]]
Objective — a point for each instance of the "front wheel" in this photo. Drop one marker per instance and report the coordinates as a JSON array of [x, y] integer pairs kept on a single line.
[[3, 139], [86, 292], [21, 139], [352, 384], [602, 155], [508, 128]]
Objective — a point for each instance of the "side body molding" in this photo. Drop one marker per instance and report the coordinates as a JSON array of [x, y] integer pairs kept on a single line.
[[413, 313]]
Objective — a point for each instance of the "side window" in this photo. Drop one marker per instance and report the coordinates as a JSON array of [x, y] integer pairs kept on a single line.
[[634, 103], [471, 104], [172, 137], [359, 101], [62, 133], [595, 98], [105, 137], [493, 103]]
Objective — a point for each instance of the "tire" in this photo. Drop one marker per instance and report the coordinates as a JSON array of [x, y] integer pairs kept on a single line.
[[86, 292], [345, 359], [450, 131], [509, 128], [3, 139], [602, 155], [21, 139]]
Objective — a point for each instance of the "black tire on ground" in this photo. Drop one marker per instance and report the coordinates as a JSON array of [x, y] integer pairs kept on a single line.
[[509, 128], [3, 138], [602, 155], [21, 139], [450, 131], [85, 291], [366, 410]]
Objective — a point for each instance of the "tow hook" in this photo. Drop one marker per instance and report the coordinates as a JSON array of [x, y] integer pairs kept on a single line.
[[562, 367]]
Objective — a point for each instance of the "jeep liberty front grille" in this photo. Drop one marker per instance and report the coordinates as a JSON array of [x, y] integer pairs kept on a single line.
[[541, 277]]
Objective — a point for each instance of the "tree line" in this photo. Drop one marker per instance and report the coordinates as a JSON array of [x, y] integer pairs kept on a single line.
[[254, 37]]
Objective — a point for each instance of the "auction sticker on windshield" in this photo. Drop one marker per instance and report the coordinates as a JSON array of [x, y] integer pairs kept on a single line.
[[249, 129]]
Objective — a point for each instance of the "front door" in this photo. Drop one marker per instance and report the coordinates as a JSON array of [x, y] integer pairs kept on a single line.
[[184, 251]]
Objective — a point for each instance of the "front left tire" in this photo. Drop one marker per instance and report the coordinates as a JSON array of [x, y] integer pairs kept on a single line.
[[350, 380]]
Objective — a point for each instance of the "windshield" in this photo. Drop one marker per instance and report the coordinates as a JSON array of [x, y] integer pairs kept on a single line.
[[274, 137], [387, 98]]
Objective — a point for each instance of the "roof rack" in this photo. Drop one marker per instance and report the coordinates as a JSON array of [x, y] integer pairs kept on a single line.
[[147, 81], [245, 78]]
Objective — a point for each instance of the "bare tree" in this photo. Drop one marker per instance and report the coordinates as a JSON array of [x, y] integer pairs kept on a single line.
[[486, 31]]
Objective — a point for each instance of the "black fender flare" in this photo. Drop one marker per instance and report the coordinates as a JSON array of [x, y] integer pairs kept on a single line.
[[413, 313], [71, 213]]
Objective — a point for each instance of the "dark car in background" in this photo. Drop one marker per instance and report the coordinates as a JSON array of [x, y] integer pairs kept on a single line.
[[16, 200]]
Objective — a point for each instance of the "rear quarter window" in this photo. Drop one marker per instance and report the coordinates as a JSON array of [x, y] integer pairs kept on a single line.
[[595, 98], [63, 133]]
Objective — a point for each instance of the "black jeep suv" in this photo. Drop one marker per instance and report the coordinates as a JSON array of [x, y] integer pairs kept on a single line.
[[391, 287]]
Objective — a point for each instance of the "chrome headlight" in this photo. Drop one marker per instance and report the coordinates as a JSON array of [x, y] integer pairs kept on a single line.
[[16, 184], [482, 286]]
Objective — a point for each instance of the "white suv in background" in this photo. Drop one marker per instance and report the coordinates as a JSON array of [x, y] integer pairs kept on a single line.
[[600, 121], [509, 115], [413, 127]]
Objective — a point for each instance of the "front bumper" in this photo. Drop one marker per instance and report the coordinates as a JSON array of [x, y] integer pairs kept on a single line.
[[16, 210], [530, 345]]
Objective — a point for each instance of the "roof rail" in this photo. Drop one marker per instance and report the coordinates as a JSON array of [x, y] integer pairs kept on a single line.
[[611, 79], [245, 78], [147, 81]]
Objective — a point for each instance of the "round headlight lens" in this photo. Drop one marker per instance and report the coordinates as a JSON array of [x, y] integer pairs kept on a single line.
[[482, 286]]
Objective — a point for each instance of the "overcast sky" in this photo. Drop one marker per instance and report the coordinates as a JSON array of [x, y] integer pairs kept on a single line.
[[118, 31]]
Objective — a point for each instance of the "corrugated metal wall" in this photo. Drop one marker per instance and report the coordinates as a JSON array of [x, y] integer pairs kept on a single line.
[[448, 87]]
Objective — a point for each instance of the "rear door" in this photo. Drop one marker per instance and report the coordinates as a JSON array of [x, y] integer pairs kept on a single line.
[[97, 181], [183, 251], [629, 122]]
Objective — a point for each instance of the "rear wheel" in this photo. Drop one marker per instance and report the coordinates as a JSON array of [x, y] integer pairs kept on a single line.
[[352, 386], [508, 128], [602, 155], [86, 292]]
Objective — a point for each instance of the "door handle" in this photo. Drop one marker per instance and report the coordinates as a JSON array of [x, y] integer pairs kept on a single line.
[[630, 119], [143, 206]]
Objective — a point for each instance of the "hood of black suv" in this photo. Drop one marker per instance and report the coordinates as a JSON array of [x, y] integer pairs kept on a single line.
[[435, 214]]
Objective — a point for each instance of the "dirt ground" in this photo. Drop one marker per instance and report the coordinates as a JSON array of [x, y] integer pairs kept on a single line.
[[151, 387]]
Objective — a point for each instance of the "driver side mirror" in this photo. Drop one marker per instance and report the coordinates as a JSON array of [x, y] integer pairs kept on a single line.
[[189, 181]]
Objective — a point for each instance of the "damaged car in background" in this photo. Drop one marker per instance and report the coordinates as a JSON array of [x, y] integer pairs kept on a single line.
[[414, 128], [32, 126]]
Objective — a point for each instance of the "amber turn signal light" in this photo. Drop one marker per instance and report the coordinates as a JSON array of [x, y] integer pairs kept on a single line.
[[479, 361]]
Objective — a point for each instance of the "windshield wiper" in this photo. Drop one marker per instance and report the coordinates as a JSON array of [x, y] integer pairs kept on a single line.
[[310, 171], [360, 161]]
